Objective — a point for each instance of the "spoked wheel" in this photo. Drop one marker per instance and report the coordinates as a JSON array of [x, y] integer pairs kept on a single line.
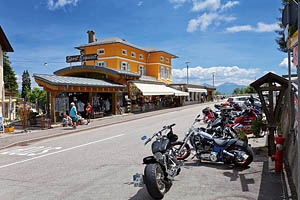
[[155, 181], [184, 154], [243, 155]]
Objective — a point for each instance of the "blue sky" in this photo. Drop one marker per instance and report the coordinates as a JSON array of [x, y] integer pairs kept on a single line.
[[234, 39]]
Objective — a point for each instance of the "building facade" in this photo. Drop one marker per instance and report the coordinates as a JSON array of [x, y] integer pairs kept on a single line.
[[4, 47], [119, 54]]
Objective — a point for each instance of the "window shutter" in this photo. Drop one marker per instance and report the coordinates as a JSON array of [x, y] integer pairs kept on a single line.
[[128, 67], [121, 65]]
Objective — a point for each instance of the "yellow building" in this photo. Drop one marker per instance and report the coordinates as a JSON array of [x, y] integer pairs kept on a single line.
[[119, 54]]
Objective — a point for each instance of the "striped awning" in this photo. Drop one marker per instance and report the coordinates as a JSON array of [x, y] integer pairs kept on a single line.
[[158, 89]]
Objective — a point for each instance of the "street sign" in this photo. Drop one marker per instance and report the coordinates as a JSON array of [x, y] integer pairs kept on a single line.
[[293, 40], [80, 58], [295, 56], [292, 7]]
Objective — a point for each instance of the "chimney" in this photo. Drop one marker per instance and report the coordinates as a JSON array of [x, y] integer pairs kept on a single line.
[[91, 36]]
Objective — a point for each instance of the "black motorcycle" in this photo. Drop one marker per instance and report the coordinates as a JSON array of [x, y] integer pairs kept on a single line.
[[162, 167], [209, 148]]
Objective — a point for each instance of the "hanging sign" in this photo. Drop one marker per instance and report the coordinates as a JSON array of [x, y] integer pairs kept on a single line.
[[293, 40]]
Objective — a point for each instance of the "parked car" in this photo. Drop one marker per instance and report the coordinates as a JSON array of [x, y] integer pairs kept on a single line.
[[241, 99]]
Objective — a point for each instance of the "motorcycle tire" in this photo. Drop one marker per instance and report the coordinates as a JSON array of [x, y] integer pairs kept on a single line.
[[186, 150], [247, 150], [154, 181]]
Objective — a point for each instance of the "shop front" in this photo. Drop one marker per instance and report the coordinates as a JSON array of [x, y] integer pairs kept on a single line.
[[62, 90], [146, 96]]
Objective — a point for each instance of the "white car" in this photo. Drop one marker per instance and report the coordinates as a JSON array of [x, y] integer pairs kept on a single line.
[[241, 99]]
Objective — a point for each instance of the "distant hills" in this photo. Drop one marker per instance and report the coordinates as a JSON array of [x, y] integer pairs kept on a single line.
[[227, 88]]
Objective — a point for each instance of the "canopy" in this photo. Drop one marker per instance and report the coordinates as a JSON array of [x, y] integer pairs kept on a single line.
[[158, 89], [196, 90]]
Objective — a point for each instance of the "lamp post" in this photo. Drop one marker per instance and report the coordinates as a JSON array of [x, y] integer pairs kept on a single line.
[[213, 75], [187, 71]]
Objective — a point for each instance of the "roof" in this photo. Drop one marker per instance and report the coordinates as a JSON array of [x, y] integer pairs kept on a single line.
[[267, 77], [76, 81], [110, 70], [118, 40], [192, 86], [4, 42]]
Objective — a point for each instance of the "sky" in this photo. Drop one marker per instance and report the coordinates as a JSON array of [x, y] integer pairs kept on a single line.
[[232, 39]]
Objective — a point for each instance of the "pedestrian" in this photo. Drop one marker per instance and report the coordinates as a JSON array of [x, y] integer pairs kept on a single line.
[[73, 114], [88, 113]]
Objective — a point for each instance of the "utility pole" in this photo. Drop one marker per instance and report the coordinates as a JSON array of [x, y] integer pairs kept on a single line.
[[213, 75], [187, 71]]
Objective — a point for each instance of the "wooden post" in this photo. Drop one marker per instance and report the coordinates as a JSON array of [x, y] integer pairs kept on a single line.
[[114, 103]]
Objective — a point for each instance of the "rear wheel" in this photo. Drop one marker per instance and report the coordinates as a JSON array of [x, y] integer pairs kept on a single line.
[[185, 153], [155, 181], [243, 155]]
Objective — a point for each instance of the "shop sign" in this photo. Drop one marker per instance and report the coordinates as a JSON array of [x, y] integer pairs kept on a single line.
[[80, 58]]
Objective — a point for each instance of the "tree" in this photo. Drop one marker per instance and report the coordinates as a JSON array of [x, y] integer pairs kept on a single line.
[[37, 96], [248, 90], [236, 91], [217, 92], [26, 84], [10, 79]]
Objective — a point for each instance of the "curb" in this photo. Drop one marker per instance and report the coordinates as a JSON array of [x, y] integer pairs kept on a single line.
[[24, 142]]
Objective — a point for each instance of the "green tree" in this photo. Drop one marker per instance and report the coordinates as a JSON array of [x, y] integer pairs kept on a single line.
[[26, 84], [236, 91], [10, 79], [217, 92], [37, 96], [248, 90]]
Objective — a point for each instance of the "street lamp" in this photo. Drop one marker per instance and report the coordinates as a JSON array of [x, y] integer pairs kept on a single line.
[[213, 75], [187, 71]]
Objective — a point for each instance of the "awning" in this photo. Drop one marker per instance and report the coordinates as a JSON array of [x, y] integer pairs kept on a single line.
[[196, 90], [158, 89]]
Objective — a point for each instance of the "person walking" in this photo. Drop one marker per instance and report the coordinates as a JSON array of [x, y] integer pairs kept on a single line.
[[73, 114], [88, 113]]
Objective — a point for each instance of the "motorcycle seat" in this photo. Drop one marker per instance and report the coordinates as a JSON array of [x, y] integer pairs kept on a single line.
[[221, 142]]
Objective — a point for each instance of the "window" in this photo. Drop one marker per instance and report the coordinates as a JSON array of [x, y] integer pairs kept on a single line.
[[142, 70], [124, 52], [125, 66], [161, 58], [162, 72], [100, 51], [168, 73], [141, 57], [101, 64], [167, 60], [133, 54]]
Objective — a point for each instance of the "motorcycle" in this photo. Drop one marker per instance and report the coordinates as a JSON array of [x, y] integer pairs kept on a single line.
[[162, 167], [209, 148]]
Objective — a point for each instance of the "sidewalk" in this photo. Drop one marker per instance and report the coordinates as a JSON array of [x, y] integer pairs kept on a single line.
[[21, 137]]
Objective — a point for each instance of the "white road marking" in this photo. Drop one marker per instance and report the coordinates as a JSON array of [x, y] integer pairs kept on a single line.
[[49, 154], [31, 151]]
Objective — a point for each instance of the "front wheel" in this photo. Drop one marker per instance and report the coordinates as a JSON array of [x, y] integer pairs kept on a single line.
[[243, 155], [185, 153], [155, 182]]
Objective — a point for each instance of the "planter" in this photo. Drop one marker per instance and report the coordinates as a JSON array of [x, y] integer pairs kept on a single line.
[[8, 130]]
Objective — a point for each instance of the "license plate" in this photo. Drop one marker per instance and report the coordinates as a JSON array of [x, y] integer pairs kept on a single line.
[[138, 180]]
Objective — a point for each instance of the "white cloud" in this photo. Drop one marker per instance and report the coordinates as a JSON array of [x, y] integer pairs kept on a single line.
[[177, 3], [223, 74], [261, 27], [229, 4], [206, 4], [53, 5], [205, 20], [140, 3], [284, 63]]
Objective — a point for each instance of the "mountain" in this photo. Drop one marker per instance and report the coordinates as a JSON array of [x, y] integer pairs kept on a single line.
[[227, 88]]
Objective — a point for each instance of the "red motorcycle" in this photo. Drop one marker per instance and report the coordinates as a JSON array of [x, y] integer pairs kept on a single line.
[[244, 121]]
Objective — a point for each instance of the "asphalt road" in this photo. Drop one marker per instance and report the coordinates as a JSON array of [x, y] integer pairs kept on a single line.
[[99, 164]]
